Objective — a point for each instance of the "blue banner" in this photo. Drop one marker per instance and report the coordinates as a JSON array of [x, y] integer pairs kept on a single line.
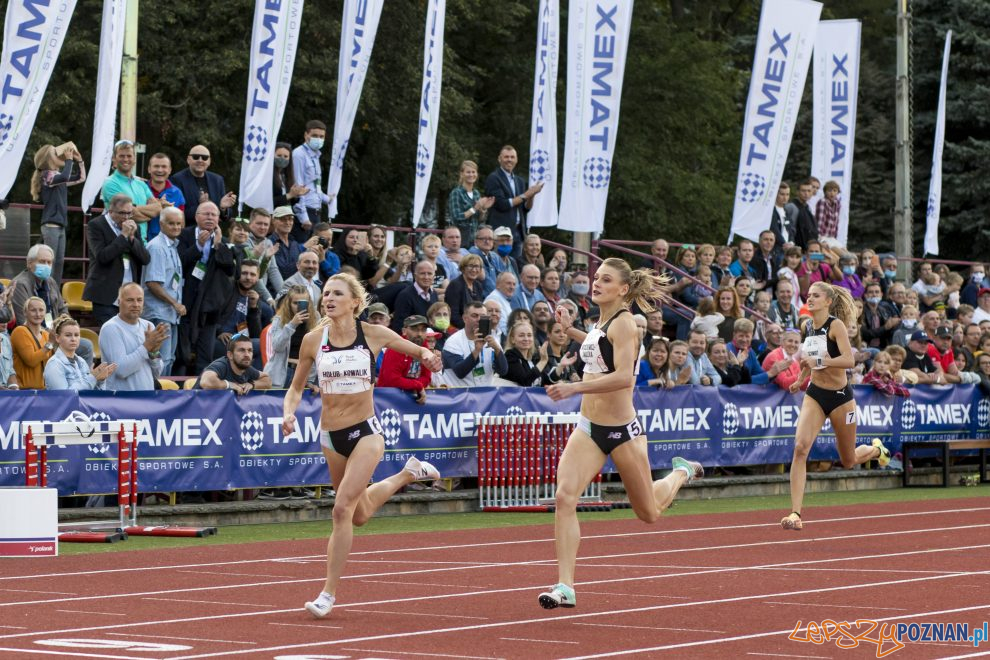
[[196, 441]]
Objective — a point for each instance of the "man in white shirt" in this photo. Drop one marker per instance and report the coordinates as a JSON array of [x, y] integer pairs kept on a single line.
[[470, 359], [702, 370], [505, 288]]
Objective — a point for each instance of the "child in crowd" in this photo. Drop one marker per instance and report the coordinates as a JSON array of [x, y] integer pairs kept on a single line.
[[707, 319], [881, 378], [897, 355], [909, 323], [704, 274]]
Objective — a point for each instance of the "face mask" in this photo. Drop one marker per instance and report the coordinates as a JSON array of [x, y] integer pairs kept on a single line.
[[890, 274], [848, 270], [441, 324], [504, 250], [873, 301], [281, 163], [909, 323], [977, 277], [580, 289], [42, 271], [315, 143]]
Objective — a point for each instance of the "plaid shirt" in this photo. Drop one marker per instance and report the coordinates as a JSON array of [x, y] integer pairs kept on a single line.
[[827, 214]]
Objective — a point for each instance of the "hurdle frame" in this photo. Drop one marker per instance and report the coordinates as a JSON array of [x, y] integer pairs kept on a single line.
[[517, 462]]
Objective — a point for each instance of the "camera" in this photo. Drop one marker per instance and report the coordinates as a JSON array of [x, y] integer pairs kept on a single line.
[[322, 242]]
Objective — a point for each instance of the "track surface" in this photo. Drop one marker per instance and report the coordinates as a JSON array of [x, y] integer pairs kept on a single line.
[[712, 586]]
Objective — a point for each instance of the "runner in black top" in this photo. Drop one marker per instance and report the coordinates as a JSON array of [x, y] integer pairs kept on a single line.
[[826, 354], [608, 425]]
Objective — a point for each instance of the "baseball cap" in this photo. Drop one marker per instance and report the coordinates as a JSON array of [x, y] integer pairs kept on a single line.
[[943, 331], [282, 211], [433, 333], [415, 319], [377, 308], [503, 231], [919, 335], [982, 292]]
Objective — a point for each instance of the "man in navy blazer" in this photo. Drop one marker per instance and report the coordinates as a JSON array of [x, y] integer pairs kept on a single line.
[[416, 299], [116, 252], [512, 198], [198, 185]]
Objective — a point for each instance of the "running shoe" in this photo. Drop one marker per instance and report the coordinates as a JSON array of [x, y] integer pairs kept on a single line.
[[693, 469], [792, 521], [884, 458], [320, 607], [421, 470], [559, 595]]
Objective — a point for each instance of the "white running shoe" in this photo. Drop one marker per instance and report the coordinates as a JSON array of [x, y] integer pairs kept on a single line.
[[320, 607], [559, 595], [421, 470]]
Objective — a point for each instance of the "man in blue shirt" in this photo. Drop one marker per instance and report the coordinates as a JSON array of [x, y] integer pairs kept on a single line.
[[307, 172], [162, 281], [123, 181]]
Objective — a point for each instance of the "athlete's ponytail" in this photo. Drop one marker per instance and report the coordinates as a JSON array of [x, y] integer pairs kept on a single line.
[[646, 288], [840, 302]]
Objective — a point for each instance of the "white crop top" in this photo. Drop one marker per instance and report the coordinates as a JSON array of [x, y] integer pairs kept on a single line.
[[347, 370]]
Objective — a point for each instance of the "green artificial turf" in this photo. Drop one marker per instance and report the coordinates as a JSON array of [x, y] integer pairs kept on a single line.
[[456, 521]]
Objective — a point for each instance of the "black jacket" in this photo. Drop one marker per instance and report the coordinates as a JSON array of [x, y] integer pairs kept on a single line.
[[106, 252], [210, 294], [885, 311], [409, 303]]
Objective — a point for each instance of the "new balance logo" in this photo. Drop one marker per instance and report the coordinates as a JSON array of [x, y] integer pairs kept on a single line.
[[354, 435], [614, 436]]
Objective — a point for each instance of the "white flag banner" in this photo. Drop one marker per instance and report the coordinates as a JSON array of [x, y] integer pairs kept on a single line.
[[784, 44], [836, 88], [597, 41], [357, 38], [543, 132], [107, 95], [935, 187], [32, 38], [429, 105], [274, 40]]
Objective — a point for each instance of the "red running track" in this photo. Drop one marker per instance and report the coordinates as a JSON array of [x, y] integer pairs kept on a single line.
[[725, 586]]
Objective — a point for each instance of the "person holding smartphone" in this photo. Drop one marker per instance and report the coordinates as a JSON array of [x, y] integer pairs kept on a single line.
[[814, 268], [472, 356]]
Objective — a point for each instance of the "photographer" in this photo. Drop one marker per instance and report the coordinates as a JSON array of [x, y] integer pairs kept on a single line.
[[472, 356], [329, 261]]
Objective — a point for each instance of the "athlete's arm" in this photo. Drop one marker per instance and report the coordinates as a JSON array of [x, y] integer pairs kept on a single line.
[[307, 355], [382, 337]]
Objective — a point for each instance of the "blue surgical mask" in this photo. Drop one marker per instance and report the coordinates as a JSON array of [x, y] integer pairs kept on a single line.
[[281, 163], [315, 143], [580, 289], [504, 250], [873, 301], [909, 323], [890, 274], [42, 271], [848, 270]]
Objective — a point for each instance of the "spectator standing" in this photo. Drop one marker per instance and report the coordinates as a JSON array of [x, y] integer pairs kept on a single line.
[[56, 168], [471, 359], [198, 185], [354, 250], [513, 199], [285, 190], [827, 211], [806, 229], [122, 181], [702, 370], [406, 372], [784, 362], [289, 325], [168, 195], [287, 256], [66, 370], [117, 256], [32, 346], [783, 222], [526, 362], [465, 289], [207, 268], [306, 170], [242, 312], [466, 208], [234, 371], [132, 343], [766, 262], [163, 283], [415, 300]]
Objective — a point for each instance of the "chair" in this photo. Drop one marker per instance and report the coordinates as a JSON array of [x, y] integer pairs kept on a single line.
[[168, 384], [72, 294], [188, 385], [5, 282], [93, 337], [265, 345]]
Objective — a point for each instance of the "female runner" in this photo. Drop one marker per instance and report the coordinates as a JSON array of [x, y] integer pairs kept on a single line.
[[608, 424], [826, 354], [344, 351]]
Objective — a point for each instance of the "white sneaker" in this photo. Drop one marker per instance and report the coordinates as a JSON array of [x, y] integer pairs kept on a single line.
[[421, 470], [320, 607]]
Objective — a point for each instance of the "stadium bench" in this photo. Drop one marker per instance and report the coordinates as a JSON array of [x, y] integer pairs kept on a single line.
[[946, 447]]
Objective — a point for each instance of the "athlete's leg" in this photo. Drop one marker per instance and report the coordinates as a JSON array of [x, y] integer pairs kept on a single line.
[[843, 421], [648, 498], [810, 422], [580, 462]]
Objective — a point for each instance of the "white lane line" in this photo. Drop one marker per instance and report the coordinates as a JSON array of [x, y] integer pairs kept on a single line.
[[625, 595], [41, 591], [440, 615], [225, 573], [76, 654], [569, 618], [302, 625], [15, 627], [187, 639], [969, 655], [615, 625], [207, 602], [829, 605], [547, 540], [428, 584], [788, 655], [89, 612], [541, 641], [538, 562], [492, 592], [431, 655]]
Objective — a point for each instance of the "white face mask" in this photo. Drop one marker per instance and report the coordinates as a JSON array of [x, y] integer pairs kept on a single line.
[[909, 323]]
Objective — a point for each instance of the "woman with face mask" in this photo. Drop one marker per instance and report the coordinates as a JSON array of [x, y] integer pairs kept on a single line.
[[285, 190]]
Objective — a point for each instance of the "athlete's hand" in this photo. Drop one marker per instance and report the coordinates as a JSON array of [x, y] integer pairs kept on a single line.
[[794, 387], [561, 391], [288, 424], [431, 360]]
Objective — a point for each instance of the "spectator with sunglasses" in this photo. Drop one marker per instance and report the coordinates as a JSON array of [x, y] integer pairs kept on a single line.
[[198, 185]]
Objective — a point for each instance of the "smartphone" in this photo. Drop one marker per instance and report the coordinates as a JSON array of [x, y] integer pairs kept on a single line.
[[303, 305], [817, 256], [485, 327]]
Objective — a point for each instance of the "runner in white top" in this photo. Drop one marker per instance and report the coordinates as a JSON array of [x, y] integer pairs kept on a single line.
[[344, 350]]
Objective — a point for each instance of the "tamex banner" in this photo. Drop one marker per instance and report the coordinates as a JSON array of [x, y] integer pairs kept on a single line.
[[429, 104], [543, 131], [783, 53]]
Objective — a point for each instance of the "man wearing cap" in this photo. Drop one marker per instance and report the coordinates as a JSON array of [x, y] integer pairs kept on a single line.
[[503, 259], [415, 300], [198, 185], [288, 248], [941, 354], [919, 362], [402, 371], [378, 314], [982, 311]]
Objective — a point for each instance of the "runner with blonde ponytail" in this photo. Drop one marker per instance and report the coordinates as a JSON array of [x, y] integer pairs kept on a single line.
[[826, 354], [608, 424]]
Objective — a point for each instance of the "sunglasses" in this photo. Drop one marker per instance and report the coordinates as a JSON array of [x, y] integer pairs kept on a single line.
[[239, 335], [199, 156], [242, 221]]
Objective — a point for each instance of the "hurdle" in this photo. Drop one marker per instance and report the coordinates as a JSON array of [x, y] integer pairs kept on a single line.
[[517, 463], [38, 436]]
